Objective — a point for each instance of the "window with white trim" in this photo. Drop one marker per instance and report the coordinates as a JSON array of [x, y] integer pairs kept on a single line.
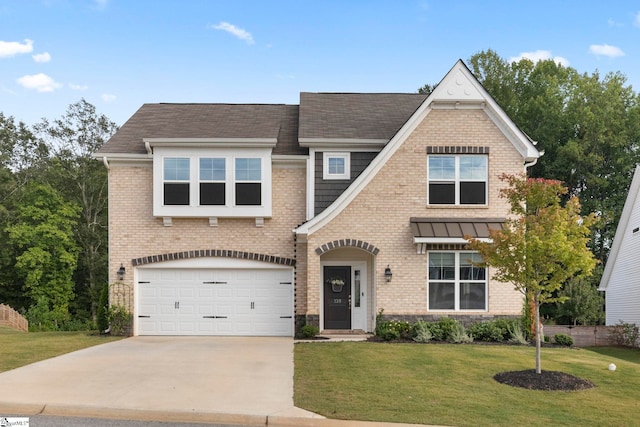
[[176, 181], [213, 181], [457, 179], [220, 182], [248, 181], [456, 283], [336, 166]]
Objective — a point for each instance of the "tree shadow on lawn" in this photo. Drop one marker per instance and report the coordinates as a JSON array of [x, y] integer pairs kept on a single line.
[[628, 354]]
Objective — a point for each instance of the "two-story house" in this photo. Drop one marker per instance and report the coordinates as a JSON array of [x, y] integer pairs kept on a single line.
[[255, 219]]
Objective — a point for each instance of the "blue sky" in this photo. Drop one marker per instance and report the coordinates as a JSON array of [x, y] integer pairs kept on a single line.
[[119, 54]]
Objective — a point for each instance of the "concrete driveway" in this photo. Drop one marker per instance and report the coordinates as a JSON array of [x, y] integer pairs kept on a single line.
[[202, 379]]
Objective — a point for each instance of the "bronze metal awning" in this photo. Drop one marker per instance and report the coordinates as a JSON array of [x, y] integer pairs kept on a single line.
[[452, 230]]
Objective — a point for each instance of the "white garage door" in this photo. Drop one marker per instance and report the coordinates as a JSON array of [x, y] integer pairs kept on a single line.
[[215, 302]]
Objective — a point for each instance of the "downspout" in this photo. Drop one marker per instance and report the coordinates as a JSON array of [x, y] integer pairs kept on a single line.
[[106, 162]]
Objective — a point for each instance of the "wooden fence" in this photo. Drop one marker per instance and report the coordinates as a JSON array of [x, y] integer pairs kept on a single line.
[[11, 318], [583, 336]]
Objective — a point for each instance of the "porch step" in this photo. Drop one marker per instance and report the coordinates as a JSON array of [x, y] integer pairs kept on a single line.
[[343, 332]]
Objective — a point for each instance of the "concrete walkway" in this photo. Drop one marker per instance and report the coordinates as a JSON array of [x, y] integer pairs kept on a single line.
[[226, 380]]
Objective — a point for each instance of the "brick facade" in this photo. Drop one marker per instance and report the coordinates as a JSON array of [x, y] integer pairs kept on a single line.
[[135, 234], [380, 214]]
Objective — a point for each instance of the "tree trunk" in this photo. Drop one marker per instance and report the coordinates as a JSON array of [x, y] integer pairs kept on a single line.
[[538, 336]]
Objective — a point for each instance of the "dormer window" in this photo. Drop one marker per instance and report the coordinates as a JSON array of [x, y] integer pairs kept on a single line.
[[336, 166]]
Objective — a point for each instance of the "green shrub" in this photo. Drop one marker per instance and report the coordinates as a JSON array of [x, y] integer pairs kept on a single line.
[[120, 320], [486, 330], [518, 336], [390, 330], [625, 334], [459, 335], [563, 339], [309, 331], [443, 329], [422, 333]]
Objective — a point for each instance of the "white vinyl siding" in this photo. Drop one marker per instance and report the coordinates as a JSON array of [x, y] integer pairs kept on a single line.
[[623, 290]]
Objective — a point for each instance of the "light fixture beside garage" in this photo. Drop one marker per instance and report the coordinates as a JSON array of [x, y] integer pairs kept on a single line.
[[388, 274], [120, 273]]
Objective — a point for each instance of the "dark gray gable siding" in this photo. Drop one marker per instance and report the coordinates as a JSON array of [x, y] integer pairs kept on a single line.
[[326, 192]]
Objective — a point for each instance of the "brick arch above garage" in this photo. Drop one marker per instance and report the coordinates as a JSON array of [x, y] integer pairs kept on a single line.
[[347, 243], [220, 253]]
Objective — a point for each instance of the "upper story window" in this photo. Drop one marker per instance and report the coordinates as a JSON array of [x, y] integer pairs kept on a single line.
[[336, 166], [213, 181], [456, 282], [206, 182], [248, 181], [457, 179], [176, 172]]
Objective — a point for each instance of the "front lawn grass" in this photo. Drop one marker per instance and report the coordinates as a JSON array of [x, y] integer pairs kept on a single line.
[[22, 348], [449, 384]]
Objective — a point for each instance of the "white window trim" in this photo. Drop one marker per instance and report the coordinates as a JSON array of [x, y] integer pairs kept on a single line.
[[457, 180], [325, 165], [456, 283], [194, 210]]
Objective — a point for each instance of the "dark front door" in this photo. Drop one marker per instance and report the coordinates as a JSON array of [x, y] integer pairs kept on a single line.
[[337, 297]]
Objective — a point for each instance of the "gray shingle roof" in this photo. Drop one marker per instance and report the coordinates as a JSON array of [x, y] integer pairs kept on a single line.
[[208, 121], [355, 115], [320, 115]]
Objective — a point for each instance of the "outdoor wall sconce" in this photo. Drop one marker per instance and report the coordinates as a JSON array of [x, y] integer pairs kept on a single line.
[[120, 273], [388, 274]]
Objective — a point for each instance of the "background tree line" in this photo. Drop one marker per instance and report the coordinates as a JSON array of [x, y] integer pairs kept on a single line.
[[53, 194], [53, 217]]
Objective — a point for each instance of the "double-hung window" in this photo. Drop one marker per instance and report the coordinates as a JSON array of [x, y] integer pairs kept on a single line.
[[456, 282], [176, 177], [248, 175], [212, 181], [457, 179]]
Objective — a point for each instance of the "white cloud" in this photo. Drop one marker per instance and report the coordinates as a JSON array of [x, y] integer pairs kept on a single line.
[[9, 49], [107, 97], [606, 50], [232, 29], [101, 4], [540, 55], [41, 57], [613, 23], [636, 21], [40, 82], [78, 87]]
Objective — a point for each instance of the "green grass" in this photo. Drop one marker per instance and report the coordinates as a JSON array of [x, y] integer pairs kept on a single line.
[[453, 384], [22, 348]]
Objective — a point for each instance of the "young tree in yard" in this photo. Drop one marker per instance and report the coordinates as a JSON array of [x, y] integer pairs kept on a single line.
[[543, 244], [48, 254]]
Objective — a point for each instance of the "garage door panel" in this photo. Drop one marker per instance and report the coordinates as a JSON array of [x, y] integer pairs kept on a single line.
[[245, 302]]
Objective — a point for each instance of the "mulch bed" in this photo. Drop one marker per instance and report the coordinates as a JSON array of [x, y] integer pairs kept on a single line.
[[546, 380]]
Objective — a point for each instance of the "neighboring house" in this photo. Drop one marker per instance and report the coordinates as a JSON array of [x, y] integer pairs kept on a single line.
[[255, 219], [621, 276]]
